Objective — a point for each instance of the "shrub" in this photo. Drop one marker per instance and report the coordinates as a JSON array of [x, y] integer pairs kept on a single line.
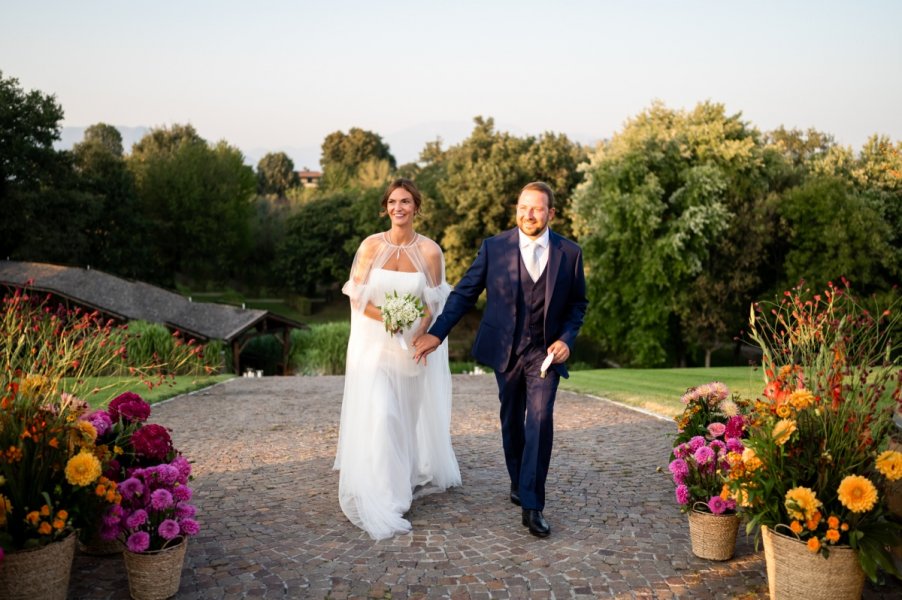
[[320, 350]]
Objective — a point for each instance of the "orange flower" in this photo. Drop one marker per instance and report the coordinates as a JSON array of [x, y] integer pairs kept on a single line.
[[844, 527], [62, 514], [814, 521], [100, 490], [796, 527], [111, 495], [45, 528], [33, 517], [45, 511], [832, 535], [58, 524], [814, 545], [833, 522], [54, 443]]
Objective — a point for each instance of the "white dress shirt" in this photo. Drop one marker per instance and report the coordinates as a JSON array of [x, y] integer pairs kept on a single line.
[[541, 250]]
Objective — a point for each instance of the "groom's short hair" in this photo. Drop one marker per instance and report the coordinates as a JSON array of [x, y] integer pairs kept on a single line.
[[541, 186]]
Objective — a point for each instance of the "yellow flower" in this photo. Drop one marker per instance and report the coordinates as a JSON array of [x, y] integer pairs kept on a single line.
[[796, 527], [784, 411], [857, 493], [82, 469], [750, 459], [782, 430], [832, 535], [889, 463], [117, 450], [801, 399], [814, 545], [801, 503], [87, 430]]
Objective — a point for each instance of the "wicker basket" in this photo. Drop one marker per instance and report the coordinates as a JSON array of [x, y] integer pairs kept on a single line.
[[38, 573], [713, 536], [155, 575], [794, 572]]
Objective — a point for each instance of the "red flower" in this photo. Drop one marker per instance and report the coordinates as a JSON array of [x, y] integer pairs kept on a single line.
[[152, 442]]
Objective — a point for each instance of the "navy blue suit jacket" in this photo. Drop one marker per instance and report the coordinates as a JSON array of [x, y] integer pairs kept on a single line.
[[496, 270]]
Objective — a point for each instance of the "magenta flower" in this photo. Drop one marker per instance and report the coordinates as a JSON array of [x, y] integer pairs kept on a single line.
[[182, 493], [717, 505], [101, 422], [735, 427], [161, 499], [715, 430], [682, 451], [704, 455], [184, 467], [129, 407], [682, 494], [167, 474], [718, 447], [189, 526], [109, 532], [136, 519], [168, 529], [183, 511], [130, 488], [697, 442], [138, 541], [735, 445], [678, 467], [152, 442]]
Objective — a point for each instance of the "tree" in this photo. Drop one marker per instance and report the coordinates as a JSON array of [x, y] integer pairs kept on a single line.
[[482, 176], [197, 200], [116, 236], [276, 174], [666, 206], [343, 154], [29, 124]]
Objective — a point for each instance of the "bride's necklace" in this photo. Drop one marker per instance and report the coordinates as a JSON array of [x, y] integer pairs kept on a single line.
[[399, 246]]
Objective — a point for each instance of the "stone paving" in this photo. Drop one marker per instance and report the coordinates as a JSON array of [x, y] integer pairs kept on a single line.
[[272, 528]]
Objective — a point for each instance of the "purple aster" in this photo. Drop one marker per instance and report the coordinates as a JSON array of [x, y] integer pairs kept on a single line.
[[183, 511], [161, 499], [189, 526], [101, 422], [697, 442], [136, 519], [168, 529], [682, 494], [704, 455], [717, 505], [138, 541], [182, 493], [131, 487]]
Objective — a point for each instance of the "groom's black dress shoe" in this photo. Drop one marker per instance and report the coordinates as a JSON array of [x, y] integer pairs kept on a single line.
[[537, 524], [515, 495]]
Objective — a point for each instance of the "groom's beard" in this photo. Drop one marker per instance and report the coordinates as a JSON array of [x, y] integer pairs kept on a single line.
[[535, 229]]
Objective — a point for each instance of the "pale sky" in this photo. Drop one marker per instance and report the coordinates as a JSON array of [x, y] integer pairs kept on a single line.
[[281, 75]]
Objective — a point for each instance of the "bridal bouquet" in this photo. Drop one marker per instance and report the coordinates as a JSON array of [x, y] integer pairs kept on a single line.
[[400, 312]]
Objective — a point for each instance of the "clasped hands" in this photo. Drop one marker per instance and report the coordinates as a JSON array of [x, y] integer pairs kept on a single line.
[[427, 343]]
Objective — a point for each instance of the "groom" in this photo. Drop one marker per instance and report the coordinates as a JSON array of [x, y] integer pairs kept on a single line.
[[536, 300]]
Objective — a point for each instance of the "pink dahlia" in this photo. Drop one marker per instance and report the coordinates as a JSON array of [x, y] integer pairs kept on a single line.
[[138, 541]]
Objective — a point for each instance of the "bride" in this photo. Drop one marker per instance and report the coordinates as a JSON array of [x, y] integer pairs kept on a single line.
[[394, 440]]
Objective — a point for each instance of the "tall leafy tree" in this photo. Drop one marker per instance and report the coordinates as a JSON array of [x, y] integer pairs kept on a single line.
[[276, 174], [343, 154], [668, 204], [197, 199], [29, 124]]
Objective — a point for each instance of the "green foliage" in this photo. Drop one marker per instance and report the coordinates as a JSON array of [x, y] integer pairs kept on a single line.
[[671, 199], [276, 174], [344, 154], [153, 344], [197, 202], [262, 353], [321, 349]]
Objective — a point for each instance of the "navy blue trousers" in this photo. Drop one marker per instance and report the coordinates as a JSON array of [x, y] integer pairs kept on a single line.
[[527, 424]]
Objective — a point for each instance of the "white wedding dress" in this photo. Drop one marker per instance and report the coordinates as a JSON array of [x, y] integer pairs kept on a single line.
[[394, 439]]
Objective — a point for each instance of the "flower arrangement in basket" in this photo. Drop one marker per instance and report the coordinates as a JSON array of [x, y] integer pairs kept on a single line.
[[710, 427], [51, 467], [816, 446]]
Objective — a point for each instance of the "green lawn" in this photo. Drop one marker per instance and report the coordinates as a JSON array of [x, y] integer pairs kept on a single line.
[[110, 387], [659, 390]]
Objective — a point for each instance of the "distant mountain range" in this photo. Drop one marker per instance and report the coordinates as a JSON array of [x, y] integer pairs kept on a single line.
[[405, 144]]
